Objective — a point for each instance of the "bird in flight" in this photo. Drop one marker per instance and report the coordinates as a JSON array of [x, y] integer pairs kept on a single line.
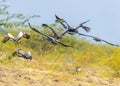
[[15, 40], [72, 30], [98, 39], [20, 53], [49, 38]]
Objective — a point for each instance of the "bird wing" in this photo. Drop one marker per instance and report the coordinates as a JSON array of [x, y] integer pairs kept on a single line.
[[37, 31], [14, 53], [28, 54], [20, 51], [98, 39], [60, 21], [63, 44], [55, 34], [110, 43], [20, 35], [85, 35], [6, 38], [87, 29], [26, 36], [10, 35], [94, 38]]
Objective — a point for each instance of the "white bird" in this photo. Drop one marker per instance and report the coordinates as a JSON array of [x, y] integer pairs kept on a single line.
[[20, 53], [15, 40], [78, 69]]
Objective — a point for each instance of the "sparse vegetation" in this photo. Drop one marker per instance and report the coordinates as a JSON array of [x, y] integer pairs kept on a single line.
[[101, 60], [54, 65]]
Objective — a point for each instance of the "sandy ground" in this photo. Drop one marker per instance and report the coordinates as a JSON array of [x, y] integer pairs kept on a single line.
[[30, 77]]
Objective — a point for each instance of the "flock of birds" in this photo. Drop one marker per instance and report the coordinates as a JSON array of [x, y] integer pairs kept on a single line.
[[54, 39]]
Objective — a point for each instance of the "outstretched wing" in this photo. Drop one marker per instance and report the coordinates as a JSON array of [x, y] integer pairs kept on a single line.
[[10, 35], [98, 39], [110, 43], [94, 38], [63, 44], [20, 35], [60, 21], [55, 34], [26, 36], [87, 29], [6, 38], [85, 35], [37, 31]]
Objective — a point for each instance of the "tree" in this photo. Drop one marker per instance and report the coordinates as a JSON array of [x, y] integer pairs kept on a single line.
[[8, 20]]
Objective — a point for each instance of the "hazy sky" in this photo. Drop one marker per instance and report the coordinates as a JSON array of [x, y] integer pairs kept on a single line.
[[104, 15]]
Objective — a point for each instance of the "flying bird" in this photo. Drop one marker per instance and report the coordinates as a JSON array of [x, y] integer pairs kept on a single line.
[[70, 29], [15, 40], [101, 40], [49, 38], [20, 53], [98, 39]]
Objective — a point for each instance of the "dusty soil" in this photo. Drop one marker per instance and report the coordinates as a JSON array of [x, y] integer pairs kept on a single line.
[[30, 77]]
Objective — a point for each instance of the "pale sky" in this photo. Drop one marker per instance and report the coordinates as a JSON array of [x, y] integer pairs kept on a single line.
[[104, 15]]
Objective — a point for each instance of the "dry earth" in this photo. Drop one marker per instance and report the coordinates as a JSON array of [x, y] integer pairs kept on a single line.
[[30, 77]]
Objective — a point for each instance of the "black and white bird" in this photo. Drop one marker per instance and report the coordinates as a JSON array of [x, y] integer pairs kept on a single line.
[[98, 39], [15, 40], [78, 69], [72, 30], [56, 35], [20, 53], [49, 38]]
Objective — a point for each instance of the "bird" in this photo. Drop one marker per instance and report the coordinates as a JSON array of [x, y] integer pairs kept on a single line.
[[20, 53], [98, 39], [15, 40], [57, 36], [78, 69], [49, 38], [101, 40], [70, 29]]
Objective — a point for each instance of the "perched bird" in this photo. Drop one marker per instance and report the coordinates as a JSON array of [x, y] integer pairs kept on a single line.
[[15, 40], [49, 38], [78, 69], [98, 39], [70, 29], [57, 36], [20, 53]]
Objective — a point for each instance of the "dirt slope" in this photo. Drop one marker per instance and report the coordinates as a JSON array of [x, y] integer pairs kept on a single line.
[[30, 77]]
